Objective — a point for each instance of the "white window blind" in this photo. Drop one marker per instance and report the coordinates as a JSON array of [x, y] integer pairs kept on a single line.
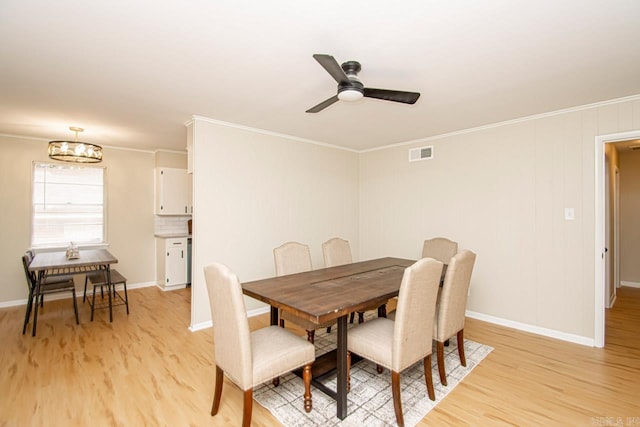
[[68, 205]]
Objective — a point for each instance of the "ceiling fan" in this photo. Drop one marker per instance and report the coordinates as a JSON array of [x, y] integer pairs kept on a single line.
[[350, 88]]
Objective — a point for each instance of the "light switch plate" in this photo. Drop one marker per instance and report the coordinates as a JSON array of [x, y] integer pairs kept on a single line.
[[569, 214]]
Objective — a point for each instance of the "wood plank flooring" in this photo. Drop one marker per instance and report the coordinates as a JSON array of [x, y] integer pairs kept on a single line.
[[149, 369]]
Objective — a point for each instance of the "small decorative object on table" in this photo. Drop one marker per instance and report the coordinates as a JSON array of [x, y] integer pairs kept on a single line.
[[72, 251]]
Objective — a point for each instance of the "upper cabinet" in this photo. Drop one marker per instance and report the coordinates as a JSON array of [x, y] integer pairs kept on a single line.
[[173, 188]]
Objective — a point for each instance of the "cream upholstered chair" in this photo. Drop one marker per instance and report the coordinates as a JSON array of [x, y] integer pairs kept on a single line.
[[452, 306], [250, 358], [439, 248], [337, 251], [292, 258], [398, 345]]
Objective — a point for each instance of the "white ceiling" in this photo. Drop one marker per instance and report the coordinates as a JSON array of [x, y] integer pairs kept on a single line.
[[133, 72]]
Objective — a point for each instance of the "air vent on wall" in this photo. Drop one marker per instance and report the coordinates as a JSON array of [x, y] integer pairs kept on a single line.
[[422, 153]]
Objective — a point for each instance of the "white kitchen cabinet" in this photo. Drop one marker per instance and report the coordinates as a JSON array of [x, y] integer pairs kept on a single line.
[[172, 192], [172, 261]]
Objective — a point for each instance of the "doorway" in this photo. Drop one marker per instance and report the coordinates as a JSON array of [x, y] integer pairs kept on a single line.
[[602, 297]]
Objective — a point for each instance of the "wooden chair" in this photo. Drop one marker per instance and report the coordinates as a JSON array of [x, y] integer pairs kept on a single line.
[[439, 248], [452, 306], [250, 358], [398, 345], [50, 285], [292, 258], [337, 251]]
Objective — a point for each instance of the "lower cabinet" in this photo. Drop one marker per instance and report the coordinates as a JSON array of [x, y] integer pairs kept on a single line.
[[172, 262]]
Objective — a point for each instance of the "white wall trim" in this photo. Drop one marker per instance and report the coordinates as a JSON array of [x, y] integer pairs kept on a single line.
[[551, 333], [276, 134], [79, 293], [505, 123], [200, 326], [599, 215], [630, 284], [259, 311]]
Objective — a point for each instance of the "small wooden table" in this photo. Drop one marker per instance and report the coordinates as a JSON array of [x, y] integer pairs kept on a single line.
[[47, 264], [332, 293]]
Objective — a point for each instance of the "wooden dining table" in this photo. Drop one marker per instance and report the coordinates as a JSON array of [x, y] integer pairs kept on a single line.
[[47, 264], [332, 294]]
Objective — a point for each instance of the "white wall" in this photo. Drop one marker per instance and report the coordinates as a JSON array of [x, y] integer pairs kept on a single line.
[[629, 219], [254, 191], [501, 192], [129, 180]]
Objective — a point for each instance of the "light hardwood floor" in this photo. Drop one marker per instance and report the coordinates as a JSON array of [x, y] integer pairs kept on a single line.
[[149, 369]]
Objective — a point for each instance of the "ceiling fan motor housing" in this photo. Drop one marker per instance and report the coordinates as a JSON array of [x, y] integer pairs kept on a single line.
[[353, 89]]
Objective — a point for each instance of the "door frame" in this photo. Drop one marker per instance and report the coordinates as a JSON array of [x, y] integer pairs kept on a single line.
[[600, 288]]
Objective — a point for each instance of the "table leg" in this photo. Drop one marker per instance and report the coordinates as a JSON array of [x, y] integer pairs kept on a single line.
[[109, 292], [274, 316], [341, 385]]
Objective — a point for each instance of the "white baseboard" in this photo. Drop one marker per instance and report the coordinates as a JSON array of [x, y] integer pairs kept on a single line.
[[551, 333], [200, 326], [630, 284], [79, 292], [250, 313]]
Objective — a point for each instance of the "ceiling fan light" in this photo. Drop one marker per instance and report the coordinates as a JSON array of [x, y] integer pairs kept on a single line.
[[350, 95]]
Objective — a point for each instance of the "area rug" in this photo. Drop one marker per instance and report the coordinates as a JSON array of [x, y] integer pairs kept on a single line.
[[370, 401]]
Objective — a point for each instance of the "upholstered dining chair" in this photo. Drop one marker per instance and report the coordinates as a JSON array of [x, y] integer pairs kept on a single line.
[[337, 251], [250, 358], [452, 306], [292, 258], [439, 248], [398, 345], [50, 285]]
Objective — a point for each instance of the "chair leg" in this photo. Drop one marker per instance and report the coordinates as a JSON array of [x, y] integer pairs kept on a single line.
[[126, 297], [428, 377], [329, 329], [460, 337], [27, 314], [311, 335], [75, 306], [306, 377], [351, 317], [247, 408], [379, 369], [276, 381], [84, 294], [397, 403], [348, 371], [93, 301], [360, 317], [440, 355], [218, 390], [282, 323], [382, 310]]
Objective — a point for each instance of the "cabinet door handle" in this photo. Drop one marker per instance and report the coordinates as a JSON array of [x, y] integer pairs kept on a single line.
[[181, 254]]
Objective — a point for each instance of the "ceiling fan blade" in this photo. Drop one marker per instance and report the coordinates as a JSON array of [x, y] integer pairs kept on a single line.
[[329, 63], [324, 104], [392, 95]]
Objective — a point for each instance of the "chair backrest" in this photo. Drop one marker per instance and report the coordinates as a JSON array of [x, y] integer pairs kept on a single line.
[[336, 251], [292, 258], [453, 296], [439, 248], [31, 277], [231, 334], [413, 329]]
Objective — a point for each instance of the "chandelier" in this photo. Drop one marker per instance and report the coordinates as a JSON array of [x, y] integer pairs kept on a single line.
[[75, 151]]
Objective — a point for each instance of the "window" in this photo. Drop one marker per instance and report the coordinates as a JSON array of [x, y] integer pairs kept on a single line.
[[68, 205]]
